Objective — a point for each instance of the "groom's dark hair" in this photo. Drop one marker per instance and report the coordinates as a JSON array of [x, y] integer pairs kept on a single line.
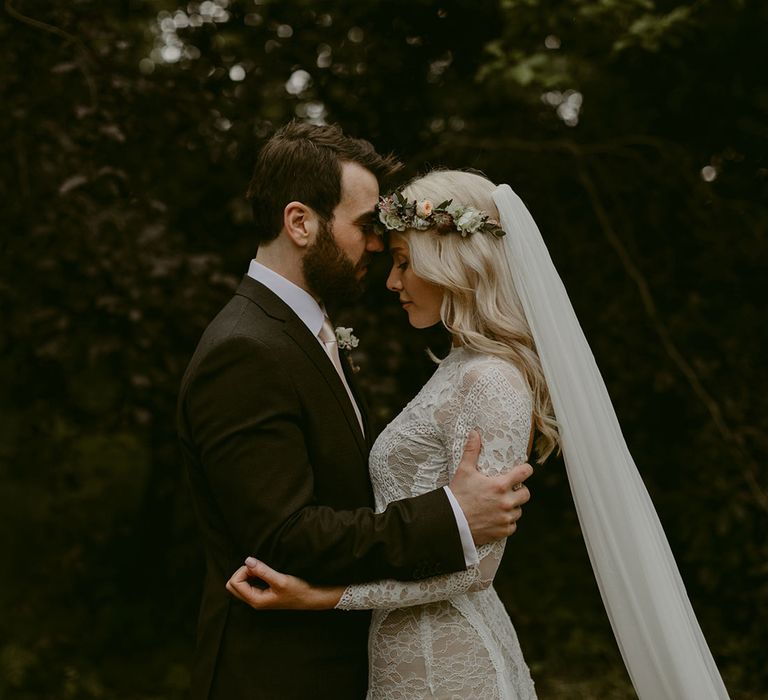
[[302, 163]]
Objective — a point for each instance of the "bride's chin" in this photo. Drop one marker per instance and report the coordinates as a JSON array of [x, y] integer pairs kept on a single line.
[[417, 323], [411, 319]]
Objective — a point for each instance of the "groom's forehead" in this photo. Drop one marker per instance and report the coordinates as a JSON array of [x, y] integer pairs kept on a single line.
[[358, 181], [359, 191]]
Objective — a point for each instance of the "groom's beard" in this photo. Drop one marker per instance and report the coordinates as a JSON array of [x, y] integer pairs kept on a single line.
[[329, 273]]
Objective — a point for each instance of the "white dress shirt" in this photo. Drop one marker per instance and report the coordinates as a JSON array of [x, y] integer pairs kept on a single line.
[[304, 305]]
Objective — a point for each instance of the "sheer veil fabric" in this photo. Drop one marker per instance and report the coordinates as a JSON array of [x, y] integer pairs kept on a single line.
[[659, 637]]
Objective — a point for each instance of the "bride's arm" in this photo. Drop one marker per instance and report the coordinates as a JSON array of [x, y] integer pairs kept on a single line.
[[281, 591], [496, 400]]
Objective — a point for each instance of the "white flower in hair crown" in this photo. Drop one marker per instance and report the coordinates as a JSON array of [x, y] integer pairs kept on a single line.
[[396, 213]]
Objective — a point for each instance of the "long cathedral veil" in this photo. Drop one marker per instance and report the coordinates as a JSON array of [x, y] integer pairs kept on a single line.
[[659, 637]]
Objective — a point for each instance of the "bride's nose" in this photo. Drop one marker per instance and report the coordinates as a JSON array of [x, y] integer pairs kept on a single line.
[[394, 283]]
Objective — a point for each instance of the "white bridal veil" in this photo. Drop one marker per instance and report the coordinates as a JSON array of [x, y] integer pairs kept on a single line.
[[660, 639]]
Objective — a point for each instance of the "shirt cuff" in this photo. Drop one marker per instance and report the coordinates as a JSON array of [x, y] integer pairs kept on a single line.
[[470, 551]]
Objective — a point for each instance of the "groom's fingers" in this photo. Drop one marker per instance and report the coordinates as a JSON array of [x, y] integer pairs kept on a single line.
[[513, 480], [517, 475], [471, 453]]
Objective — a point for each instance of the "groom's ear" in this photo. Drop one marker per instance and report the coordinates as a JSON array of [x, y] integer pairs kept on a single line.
[[300, 223]]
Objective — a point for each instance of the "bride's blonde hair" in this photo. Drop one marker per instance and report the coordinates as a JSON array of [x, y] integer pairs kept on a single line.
[[480, 308]]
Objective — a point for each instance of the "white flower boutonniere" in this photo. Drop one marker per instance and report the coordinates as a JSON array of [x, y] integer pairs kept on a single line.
[[347, 341], [346, 338]]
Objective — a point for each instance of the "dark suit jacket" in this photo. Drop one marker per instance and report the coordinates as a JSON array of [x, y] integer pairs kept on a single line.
[[278, 470]]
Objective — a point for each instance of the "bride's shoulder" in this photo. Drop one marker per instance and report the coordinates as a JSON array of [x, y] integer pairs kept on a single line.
[[478, 366]]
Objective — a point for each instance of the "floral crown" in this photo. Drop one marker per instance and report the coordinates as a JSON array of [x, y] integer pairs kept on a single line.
[[396, 213]]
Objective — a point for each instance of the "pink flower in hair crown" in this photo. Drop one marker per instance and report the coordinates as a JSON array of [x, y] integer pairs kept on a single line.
[[424, 209]]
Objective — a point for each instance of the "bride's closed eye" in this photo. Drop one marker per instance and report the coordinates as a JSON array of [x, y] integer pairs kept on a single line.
[[400, 262]]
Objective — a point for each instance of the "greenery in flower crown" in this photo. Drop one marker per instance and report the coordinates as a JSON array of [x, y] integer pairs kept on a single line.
[[396, 213]]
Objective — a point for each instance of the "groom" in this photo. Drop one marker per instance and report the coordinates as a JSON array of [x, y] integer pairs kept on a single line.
[[275, 438]]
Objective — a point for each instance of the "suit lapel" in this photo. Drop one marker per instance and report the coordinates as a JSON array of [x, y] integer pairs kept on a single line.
[[361, 403], [294, 327]]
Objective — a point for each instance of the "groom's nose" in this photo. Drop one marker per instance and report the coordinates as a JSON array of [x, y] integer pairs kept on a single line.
[[374, 243]]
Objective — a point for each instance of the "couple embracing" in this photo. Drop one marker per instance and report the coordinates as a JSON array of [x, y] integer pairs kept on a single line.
[[370, 559]]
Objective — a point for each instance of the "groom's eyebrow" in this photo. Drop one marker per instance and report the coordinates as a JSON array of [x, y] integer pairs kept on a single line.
[[365, 219]]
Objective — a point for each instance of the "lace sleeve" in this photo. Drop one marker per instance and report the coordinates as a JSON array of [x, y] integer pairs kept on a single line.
[[494, 399]]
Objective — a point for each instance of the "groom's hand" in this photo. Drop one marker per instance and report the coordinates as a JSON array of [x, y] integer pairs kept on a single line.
[[491, 504]]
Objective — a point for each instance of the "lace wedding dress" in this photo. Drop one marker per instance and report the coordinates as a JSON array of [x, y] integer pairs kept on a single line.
[[448, 636]]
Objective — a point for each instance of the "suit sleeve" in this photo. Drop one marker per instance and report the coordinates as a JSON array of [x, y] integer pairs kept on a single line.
[[243, 411]]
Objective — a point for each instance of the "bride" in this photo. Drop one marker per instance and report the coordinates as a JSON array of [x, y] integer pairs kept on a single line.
[[468, 254]]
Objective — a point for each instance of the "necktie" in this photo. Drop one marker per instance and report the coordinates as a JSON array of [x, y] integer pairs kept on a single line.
[[328, 338]]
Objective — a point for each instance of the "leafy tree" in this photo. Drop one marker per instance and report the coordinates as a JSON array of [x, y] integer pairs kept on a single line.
[[635, 131]]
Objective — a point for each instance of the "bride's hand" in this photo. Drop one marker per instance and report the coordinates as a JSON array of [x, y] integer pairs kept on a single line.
[[283, 592]]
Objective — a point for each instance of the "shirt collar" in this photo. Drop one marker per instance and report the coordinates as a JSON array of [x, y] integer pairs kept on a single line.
[[302, 303]]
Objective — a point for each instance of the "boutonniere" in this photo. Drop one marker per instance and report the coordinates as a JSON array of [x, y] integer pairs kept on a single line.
[[347, 341]]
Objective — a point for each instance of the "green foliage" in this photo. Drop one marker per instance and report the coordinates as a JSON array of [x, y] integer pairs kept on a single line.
[[634, 129]]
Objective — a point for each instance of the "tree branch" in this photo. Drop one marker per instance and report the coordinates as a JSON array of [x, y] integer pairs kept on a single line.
[[710, 404], [68, 38]]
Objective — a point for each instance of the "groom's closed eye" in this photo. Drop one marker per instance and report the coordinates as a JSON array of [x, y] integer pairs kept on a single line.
[[365, 222]]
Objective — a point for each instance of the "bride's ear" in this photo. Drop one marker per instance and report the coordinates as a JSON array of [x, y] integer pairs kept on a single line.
[[300, 223]]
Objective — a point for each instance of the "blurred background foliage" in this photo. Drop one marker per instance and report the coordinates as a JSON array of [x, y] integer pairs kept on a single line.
[[636, 131]]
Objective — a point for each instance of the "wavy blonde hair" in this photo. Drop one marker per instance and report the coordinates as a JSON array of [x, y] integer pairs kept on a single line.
[[480, 307]]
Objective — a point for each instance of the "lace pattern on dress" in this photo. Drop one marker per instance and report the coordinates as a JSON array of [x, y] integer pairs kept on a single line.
[[449, 635]]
